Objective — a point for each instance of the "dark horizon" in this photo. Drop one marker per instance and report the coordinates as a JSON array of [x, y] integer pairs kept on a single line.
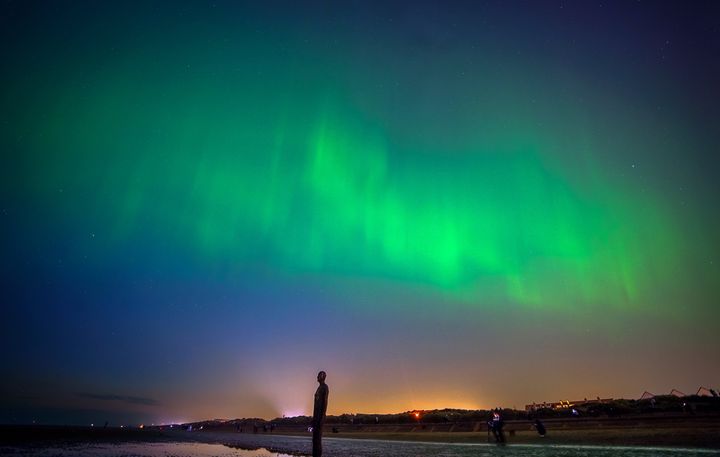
[[94, 418]]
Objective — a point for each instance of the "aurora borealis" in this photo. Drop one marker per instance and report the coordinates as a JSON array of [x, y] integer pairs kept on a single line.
[[441, 204]]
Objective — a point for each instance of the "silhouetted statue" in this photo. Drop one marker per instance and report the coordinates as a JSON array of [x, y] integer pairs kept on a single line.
[[319, 410]]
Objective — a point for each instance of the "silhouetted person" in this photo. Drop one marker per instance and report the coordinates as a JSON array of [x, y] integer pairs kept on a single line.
[[496, 425], [539, 427], [319, 410]]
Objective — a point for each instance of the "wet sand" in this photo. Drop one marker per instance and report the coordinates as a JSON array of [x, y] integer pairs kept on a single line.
[[708, 438], [665, 431], [694, 435]]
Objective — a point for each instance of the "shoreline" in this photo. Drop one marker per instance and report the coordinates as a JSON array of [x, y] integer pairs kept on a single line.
[[665, 431], [705, 436], [665, 438]]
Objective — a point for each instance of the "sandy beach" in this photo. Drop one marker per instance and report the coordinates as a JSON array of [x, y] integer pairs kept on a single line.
[[665, 437], [681, 432]]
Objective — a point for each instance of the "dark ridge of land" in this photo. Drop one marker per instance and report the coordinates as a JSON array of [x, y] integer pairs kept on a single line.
[[660, 407]]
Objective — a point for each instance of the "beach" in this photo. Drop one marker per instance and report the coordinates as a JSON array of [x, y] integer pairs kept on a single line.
[[671, 434], [222, 444]]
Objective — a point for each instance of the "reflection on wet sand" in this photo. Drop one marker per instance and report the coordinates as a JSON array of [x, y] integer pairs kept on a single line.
[[143, 450], [346, 448]]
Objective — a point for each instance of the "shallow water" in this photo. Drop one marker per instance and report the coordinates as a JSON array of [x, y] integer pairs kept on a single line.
[[350, 448], [143, 450]]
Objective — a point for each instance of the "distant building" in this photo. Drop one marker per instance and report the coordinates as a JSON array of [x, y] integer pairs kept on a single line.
[[704, 392], [564, 404], [701, 392]]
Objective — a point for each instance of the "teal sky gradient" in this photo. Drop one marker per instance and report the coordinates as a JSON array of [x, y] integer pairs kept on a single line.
[[236, 196]]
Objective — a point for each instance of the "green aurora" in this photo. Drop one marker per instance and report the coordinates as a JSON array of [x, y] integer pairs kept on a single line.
[[423, 180], [329, 190]]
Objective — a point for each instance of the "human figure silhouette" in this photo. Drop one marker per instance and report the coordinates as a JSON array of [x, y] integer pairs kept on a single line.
[[496, 425], [319, 410]]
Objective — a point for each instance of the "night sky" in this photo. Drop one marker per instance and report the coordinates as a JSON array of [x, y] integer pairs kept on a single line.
[[441, 204]]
